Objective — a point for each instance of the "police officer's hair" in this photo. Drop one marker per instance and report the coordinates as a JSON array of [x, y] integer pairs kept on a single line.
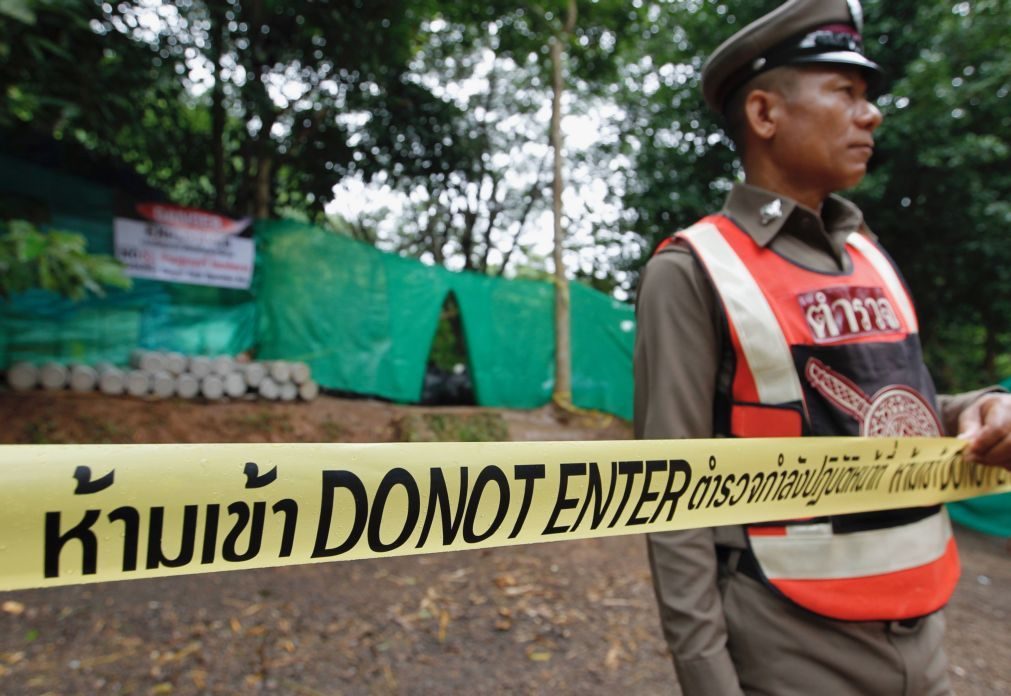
[[781, 79]]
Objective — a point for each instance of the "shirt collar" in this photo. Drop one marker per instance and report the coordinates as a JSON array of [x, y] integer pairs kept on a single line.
[[745, 205]]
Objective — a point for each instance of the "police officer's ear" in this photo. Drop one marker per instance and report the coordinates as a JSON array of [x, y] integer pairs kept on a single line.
[[763, 110]]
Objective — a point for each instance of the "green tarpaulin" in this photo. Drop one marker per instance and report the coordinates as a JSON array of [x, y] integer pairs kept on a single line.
[[364, 321]]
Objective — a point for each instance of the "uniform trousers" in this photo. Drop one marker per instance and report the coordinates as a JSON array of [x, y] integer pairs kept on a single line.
[[782, 650]]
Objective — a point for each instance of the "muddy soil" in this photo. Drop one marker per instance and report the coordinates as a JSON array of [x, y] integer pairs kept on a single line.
[[571, 617]]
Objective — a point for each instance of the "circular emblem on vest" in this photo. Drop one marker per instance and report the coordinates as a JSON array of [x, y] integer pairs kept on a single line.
[[894, 411]]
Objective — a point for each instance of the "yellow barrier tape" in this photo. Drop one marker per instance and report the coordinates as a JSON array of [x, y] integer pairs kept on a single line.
[[88, 513]]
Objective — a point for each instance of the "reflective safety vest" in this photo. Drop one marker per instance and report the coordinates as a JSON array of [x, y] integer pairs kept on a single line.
[[823, 353]]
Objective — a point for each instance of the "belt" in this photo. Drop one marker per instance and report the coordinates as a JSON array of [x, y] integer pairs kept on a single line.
[[739, 561]]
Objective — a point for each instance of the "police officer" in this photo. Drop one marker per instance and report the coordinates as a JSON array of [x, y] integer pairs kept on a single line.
[[782, 316]]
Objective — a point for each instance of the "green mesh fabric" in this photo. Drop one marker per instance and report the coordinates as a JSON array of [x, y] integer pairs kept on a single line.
[[361, 319], [603, 336], [38, 326], [509, 332], [990, 514]]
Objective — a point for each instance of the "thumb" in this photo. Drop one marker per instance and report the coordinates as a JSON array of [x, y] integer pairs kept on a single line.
[[970, 420]]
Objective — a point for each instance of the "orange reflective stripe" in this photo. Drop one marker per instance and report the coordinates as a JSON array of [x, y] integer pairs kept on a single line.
[[903, 594], [757, 530], [663, 245], [763, 421]]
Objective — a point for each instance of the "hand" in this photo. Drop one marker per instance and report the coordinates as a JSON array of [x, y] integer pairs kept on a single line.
[[986, 424]]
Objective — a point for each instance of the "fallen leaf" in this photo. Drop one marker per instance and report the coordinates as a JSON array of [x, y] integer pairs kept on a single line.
[[457, 574], [234, 623], [613, 659], [519, 590], [391, 681], [505, 580], [161, 689], [539, 656], [199, 678], [252, 609], [443, 625], [12, 607]]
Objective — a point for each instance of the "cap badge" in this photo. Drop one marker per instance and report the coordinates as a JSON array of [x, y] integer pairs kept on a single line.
[[858, 14], [771, 211]]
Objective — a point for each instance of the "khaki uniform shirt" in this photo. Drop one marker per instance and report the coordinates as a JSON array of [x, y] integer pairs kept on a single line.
[[680, 363]]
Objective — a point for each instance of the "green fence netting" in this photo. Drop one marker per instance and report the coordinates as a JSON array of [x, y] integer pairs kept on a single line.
[[509, 332], [361, 319], [990, 514], [39, 326]]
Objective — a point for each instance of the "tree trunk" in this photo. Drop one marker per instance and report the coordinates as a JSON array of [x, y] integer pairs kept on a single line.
[[563, 336], [218, 105], [264, 178]]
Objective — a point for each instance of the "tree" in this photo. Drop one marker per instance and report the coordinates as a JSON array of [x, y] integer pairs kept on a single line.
[[563, 339], [246, 106], [940, 189]]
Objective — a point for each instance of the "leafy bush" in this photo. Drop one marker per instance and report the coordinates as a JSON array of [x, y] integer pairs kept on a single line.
[[55, 261]]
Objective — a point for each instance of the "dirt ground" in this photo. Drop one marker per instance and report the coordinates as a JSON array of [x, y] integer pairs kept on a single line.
[[569, 617]]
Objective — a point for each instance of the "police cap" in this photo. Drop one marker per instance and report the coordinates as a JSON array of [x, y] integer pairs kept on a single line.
[[795, 33]]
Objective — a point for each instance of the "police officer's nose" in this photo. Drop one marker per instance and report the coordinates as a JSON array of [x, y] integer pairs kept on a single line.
[[870, 116]]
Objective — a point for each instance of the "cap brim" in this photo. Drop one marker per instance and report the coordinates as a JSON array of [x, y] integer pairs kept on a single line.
[[875, 75]]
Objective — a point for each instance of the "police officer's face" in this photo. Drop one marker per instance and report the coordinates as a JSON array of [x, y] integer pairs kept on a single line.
[[825, 129]]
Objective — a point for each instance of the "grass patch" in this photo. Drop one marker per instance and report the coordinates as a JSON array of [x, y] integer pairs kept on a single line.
[[263, 422], [331, 430], [105, 432], [450, 427], [43, 433]]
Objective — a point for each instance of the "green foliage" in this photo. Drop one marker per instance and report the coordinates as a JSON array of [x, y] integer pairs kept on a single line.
[[21, 10], [448, 347], [939, 189], [54, 261], [680, 163], [308, 93]]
